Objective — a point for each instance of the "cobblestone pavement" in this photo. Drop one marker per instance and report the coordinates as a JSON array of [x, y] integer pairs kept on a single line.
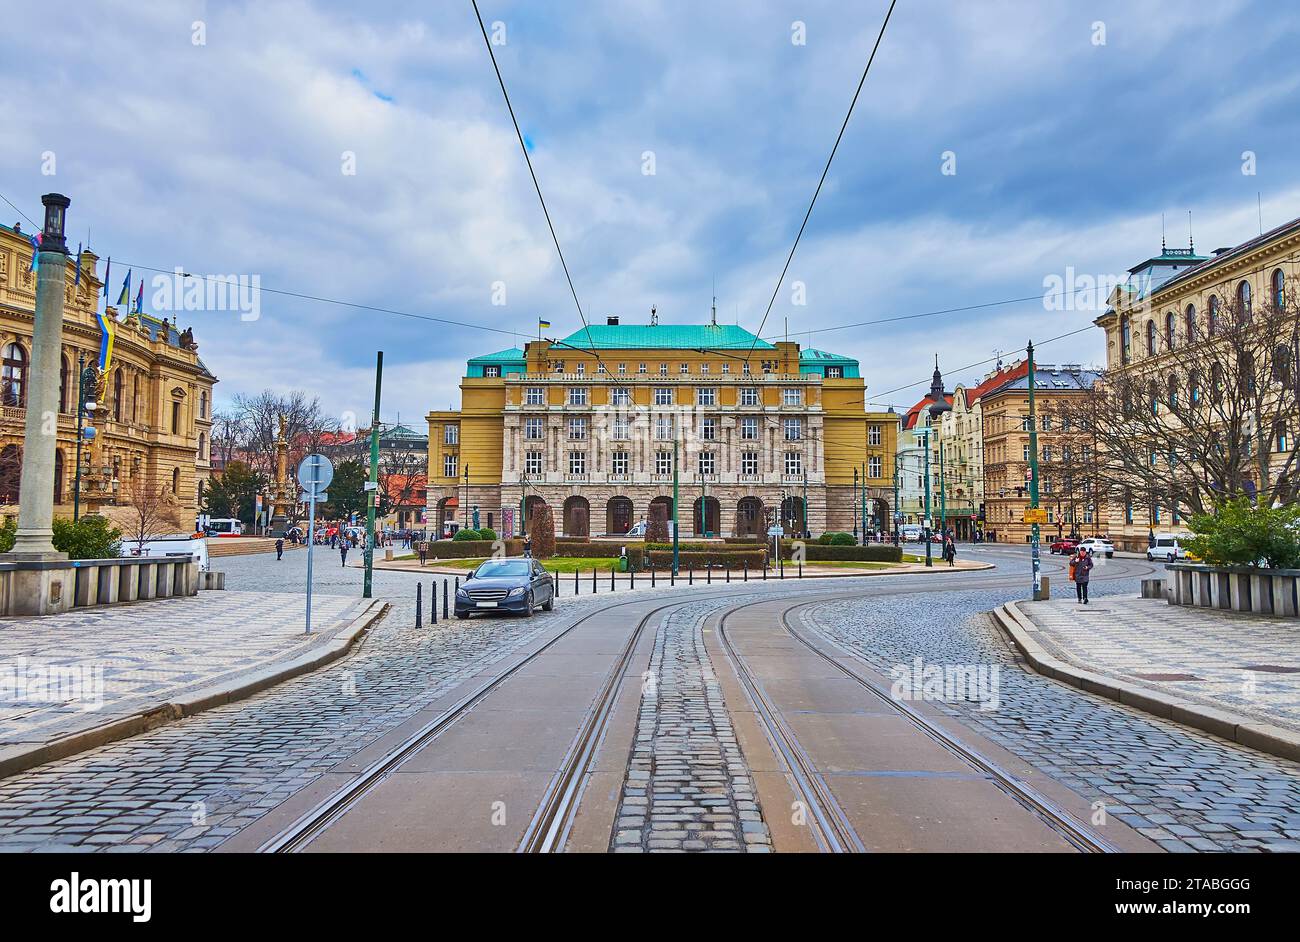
[[111, 658], [1184, 789], [1244, 663], [688, 787]]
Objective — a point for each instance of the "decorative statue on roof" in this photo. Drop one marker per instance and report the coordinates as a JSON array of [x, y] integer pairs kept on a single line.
[[187, 339]]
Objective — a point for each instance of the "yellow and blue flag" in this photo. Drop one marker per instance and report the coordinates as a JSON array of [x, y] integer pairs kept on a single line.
[[125, 296], [542, 322]]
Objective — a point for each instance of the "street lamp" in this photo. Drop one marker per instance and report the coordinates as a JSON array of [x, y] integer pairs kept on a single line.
[[466, 508], [87, 382]]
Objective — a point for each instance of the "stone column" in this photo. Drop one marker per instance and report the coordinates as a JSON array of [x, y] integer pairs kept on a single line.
[[36, 490]]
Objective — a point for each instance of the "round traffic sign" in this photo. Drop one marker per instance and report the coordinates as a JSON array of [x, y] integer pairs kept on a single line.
[[315, 473]]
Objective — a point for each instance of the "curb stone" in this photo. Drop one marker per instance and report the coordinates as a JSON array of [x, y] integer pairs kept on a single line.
[[21, 757], [1245, 730]]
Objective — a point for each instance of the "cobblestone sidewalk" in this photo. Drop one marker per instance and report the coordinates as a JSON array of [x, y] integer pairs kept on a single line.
[[85, 667], [1242, 663], [688, 787]]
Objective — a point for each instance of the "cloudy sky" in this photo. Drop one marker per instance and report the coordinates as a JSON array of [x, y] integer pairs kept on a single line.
[[214, 136]]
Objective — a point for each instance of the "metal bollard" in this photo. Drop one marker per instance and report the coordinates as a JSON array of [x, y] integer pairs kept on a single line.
[[728, 574], [801, 569], [708, 574], [690, 573], [631, 578], [555, 581], [744, 567], [652, 576], [611, 578], [672, 578], [419, 605], [444, 598], [575, 581], [433, 602], [593, 580]]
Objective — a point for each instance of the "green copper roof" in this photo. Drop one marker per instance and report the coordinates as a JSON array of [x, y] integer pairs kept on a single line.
[[812, 360], [506, 361], [501, 356], [665, 337]]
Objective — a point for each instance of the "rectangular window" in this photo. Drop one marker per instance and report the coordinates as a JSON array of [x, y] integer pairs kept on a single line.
[[664, 428], [663, 369], [640, 368], [620, 396], [663, 395], [663, 462], [873, 435], [707, 465], [706, 395], [793, 430], [622, 369], [176, 418], [600, 367], [578, 395], [533, 462], [749, 462], [449, 469], [618, 462], [450, 434], [749, 430], [557, 366], [1025, 452], [874, 466], [834, 372], [709, 430], [491, 371], [621, 430], [744, 368], [704, 369], [533, 430], [791, 396], [726, 367], [684, 369], [577, 429], [581, 368], [749, 395], [535, 396], [793, 462], [577, 462]]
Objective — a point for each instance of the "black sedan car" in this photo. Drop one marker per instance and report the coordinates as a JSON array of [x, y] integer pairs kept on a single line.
[[506, 585]]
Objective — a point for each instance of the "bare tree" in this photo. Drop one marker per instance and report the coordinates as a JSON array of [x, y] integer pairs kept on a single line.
[[1209, 412], [306, 427], [153, 510]]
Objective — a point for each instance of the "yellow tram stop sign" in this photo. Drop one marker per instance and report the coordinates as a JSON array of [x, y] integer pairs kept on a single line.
[[1035, 515]]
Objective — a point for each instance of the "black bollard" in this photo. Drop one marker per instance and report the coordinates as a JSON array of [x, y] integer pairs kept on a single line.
[[631, 578], [444, 598], [433, 602], [593, 580], [652, 576], [801, 569], [690, 573], [555, 580], [708, 574], [728, 574], [744, 568], [611, 578], [419, 605], [575, 581]]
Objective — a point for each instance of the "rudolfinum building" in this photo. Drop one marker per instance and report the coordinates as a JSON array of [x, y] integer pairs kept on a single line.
[[592, 425]]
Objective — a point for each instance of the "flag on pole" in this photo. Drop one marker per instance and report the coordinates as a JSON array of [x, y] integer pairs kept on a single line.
[[125, 296], [36, 248], [76, 281], [543, 323], [108, 271], [139, 298], [107, 332]]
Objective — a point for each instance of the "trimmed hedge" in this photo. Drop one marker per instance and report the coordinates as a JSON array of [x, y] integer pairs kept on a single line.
[[733, 559], [469, 549], [745, 539], [872, 553], [595, 550], [464, 534], [837, 538]]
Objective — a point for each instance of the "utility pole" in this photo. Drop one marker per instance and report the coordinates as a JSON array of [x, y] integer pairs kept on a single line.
[[864, 504], [806, 532], [855, 508], [373, 487], [84, 406], [943, 495], [894, 521], [1033, 477], [676, 543], [929, 561]]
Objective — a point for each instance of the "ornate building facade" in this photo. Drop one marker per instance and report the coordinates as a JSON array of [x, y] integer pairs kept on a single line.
[[592, 424], [155, 403]]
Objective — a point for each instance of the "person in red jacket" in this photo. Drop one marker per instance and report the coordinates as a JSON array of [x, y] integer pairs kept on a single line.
[[1080, 572]]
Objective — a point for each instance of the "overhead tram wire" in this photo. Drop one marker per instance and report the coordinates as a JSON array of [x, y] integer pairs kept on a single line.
[[523, 148], [825, 171]]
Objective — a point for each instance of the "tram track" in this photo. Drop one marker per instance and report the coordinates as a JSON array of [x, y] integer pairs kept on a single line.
[[549, 825]]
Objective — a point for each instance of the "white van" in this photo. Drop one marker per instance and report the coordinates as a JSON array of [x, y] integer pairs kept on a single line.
[[172, 545], [1167, 547], [912, 532]]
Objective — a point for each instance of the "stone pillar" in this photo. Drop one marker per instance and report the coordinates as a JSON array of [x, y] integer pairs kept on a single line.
[[36, 490], [1284, 595]]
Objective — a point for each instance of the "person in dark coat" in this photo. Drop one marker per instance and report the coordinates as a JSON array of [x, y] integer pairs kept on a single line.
[[1082, 573], [950, 550], [343, 552], [279, 549]]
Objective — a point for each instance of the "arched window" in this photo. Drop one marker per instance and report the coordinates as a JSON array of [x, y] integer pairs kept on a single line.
[[1212, 315], [1169, 330], [63, 384], [1194, 387], [176, 481], [11, 472], [1243, 300], [135, 398], [1216, 381], [58, 476], [1151, 338], [1125, 339], [1153, 394], [203, 446], [203, 404], [1190, 317], [1172, 391], [1279, 289], [13, 381], [117, 395]]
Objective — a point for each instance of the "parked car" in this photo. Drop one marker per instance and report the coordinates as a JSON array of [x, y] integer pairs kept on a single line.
[[912, 532], [638, 530], [513, 584], [1064, 546], [178, 544], [1099, 546], [1168, 547]]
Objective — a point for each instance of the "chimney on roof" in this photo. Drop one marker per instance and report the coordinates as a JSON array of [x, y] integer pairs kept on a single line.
[[611, 320], [1226, 248]]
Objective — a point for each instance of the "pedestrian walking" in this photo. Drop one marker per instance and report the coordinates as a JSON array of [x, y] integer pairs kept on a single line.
[[950, 551], [1080, 572], [343, 552], [279, 549]]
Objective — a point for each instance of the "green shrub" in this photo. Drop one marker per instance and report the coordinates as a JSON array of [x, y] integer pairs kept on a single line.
[[466, 534], [7, 533], [593, 550], [698, 560], [470, 549], [1241, 534], [487, 533], [841, 539], [91, 537], [874, 553]]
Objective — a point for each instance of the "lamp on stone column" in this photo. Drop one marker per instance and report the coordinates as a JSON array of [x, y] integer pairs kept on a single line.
[[34, 539]]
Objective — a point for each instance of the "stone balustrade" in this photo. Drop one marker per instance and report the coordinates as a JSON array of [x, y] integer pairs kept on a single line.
[[47, 588], [1236, 589]]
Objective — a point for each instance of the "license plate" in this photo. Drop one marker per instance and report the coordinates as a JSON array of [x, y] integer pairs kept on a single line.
[[487, 604]]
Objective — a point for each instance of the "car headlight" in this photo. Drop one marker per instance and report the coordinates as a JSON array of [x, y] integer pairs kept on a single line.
[[461, 593], [515, 593]]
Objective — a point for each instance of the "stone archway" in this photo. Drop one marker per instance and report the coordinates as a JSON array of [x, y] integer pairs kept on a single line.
[[531, 503], [577, 516], [667, 504], [749, 517], [793, 518], [618, 515], [706, 516]]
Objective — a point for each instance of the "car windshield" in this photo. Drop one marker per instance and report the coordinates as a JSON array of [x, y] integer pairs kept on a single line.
[[502, 567]]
